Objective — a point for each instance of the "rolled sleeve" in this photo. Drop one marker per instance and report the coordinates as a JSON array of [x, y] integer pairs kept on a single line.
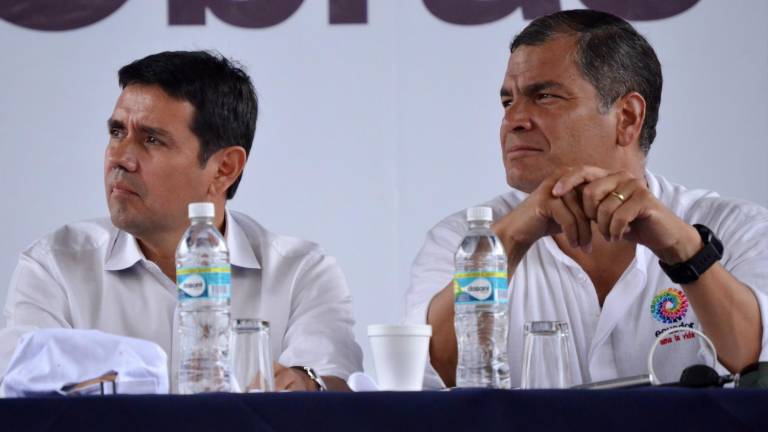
[[319, 332]]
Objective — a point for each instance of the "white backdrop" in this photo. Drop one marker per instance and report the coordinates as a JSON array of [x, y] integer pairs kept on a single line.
[[368, 133]]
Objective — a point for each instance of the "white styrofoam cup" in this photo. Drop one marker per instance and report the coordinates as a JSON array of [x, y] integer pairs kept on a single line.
[[400, 355]]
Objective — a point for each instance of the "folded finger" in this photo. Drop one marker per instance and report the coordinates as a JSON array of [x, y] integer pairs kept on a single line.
[[563, 217], [606, 209], [583, 225], [576, 177], [283, 380], [597, 191], [623, 217]]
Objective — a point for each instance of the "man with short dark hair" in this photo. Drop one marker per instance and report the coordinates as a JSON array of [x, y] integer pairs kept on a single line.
[[592, 237], [181, 132]]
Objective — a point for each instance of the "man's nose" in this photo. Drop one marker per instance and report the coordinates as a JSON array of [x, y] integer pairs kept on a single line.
[[517, 116], [121, 153]]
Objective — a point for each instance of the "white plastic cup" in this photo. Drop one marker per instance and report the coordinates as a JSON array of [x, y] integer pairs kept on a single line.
[[400, 355]]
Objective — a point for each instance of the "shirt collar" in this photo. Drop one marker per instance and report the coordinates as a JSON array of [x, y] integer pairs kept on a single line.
[[653, 185], [124, 253], [240, 250], [125, 250]]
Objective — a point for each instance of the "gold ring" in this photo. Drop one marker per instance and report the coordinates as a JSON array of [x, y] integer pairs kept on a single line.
[[621, 197]]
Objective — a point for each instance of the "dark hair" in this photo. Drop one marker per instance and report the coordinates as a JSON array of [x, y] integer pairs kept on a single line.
[[612, 56], [221, 92]]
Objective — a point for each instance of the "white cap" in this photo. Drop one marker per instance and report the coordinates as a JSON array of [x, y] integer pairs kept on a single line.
[[201, 209], [480, 213]]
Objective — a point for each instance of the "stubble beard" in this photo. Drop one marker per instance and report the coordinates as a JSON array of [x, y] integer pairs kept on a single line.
[[126, 219]]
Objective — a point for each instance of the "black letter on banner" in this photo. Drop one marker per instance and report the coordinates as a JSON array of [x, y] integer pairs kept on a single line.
[[641, 10], [186, 12], [54, 15], [241, 13], [348, 11], [473, 12]]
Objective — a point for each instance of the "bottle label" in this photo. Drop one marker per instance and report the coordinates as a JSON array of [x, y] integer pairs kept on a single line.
[[482, 287], [209, 283]]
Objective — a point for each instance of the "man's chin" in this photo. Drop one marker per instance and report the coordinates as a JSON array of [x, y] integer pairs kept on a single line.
[[525, 184], [527, 174], [123, 220]]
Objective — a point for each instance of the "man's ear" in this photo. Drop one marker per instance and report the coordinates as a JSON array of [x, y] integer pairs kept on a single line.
[[228, 163], [631, 114]]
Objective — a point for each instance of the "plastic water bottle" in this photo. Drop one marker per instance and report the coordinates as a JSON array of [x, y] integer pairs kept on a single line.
[[481, 297], [203, 279]]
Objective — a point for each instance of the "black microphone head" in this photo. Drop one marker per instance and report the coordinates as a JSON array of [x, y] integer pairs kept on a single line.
[[699, 376]]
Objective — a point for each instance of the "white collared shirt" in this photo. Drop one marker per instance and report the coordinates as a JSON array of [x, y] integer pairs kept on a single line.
[[612, 341], [91, 275]]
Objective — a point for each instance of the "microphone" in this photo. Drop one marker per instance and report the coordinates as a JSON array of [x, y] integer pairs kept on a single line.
[[696, 376], [701, 376]]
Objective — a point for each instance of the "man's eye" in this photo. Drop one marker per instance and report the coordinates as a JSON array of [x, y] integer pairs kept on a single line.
[[115, 132], [506, 102], [151, 139], [544, 96]]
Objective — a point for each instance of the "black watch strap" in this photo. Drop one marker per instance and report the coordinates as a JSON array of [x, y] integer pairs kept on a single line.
[[690, 271]]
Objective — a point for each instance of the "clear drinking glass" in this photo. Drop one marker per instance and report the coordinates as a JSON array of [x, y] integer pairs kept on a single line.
[[251, 356], [545, 356]]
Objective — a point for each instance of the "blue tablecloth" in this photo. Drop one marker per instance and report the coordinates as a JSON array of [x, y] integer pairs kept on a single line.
[[649, 409]]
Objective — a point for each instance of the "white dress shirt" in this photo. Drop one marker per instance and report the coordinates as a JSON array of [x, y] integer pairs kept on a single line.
[[91, 275], [612, 341]]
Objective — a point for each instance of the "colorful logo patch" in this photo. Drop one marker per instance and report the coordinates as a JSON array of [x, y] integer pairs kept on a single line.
[[669, 306]]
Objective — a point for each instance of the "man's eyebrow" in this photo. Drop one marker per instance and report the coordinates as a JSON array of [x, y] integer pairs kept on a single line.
[[145, 129], [149, 130], [540, 86], [114, 124], [533, 88]]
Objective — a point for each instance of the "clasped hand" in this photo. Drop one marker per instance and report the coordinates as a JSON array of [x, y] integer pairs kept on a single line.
[[618, 204]]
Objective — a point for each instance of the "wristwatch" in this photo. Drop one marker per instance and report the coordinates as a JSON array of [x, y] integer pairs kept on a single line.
[[317, 379], [689, 271]]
